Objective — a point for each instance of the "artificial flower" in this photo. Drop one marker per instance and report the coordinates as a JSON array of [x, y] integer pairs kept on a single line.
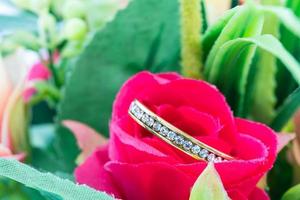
[[13, 139], [135, 164]]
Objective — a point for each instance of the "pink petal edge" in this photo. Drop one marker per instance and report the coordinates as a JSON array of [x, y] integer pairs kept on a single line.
[[87, 138]]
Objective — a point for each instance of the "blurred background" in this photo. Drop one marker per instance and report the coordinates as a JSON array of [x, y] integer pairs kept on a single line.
[[67, 59]]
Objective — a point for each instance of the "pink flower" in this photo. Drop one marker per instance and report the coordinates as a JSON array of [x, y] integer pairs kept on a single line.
[[137, 165], [11, 116], [38, 72], [14, 75]]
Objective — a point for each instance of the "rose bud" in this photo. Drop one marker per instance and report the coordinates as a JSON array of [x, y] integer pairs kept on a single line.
[[136, 164]]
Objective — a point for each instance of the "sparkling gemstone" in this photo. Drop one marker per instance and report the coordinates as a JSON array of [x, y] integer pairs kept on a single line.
[[211, 157], [171, 135], [145, 118], [179, 140], [203, 153], [150, 121], [156, 126], [218, 159], [164, 131], [187, 145], [196, 149], [136, 111], [132, 107]]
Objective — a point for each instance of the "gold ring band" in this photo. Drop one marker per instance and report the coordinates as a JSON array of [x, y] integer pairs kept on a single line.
[[173, 136]]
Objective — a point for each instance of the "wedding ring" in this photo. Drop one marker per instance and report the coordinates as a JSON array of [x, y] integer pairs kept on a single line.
[[174, 136]]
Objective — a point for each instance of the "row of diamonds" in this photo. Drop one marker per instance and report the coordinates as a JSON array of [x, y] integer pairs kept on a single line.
[[177, 139]]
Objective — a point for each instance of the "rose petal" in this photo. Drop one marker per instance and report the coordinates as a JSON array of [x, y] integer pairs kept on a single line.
[[150, 89], [38, 72], [5, 90], [28, 93], [188, 119], [258, 194], [87, 138], [93, 174], [262, 133], [237, 195], [144, 167], [283, 139], [123, 147], [13, 125], [4, 151], [197, 94], [141, 181], [129, 90]]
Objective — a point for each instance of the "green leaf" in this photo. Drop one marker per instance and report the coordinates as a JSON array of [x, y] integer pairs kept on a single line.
[[292, 194], [267, 43], [144, 36], [264, 99], [209, 186], [292, 44], [215, 30], [286, 111], [228, 63], [270, 44], [43, 154], [286, 17], [22, 21], [46, 182], [246, 22]]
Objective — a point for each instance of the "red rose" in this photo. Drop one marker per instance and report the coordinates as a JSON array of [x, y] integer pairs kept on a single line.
[[137, 165]]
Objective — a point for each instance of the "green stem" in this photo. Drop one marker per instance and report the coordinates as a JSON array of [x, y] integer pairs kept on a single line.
[[45, 90], [53, 70], [191, 25]]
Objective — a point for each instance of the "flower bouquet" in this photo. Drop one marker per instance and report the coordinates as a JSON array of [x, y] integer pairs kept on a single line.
[[150, 100]]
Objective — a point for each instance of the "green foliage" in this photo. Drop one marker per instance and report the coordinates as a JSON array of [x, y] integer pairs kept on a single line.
[[292, 44], [232, 30], [227, 65], [264, 82], [124, 47], [213, 32], [292, 194], [15, 30], [21, 21], [244, 74], [43, 154], [232, 60], [208, 186], [48, 183], [108, 60], [286, 111], [280, 177]]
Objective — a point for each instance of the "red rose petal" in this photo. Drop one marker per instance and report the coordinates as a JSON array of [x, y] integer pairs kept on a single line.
[[93, 174], [144, 167], [149, 181]]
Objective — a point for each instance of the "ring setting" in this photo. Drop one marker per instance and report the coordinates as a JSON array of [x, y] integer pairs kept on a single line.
[[174, 136]]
